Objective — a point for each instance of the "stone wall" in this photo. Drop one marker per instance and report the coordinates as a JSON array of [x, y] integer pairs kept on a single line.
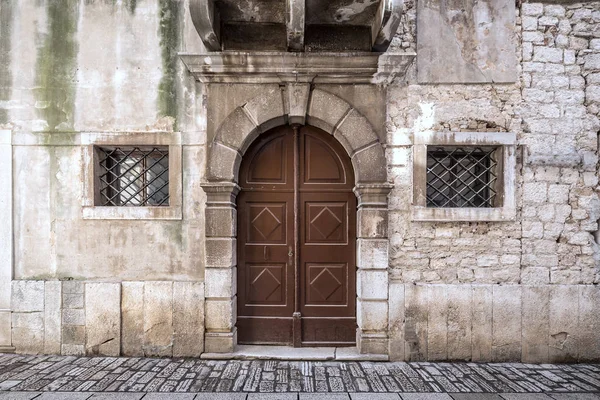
[[151, 318], [460, 290], [497, 323], [555, 115]]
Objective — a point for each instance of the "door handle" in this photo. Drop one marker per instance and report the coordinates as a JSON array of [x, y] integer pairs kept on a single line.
[[291, 252], [266, 253]]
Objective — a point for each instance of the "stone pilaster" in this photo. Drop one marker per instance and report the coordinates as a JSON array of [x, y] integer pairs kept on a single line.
[[372, 308], [220, 273]]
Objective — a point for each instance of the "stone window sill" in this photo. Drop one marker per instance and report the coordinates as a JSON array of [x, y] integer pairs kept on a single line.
[[132, 213], [426, 214]]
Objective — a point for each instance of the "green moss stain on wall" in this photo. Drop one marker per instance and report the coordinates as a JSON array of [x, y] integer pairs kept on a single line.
[[131, 5], [57, 66], [169, 42], [6, 14]]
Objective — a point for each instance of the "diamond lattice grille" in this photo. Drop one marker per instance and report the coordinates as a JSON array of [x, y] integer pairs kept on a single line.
[[461, 176], [134, 176]]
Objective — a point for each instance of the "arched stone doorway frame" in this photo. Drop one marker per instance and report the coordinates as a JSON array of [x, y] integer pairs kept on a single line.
[[299, 105]]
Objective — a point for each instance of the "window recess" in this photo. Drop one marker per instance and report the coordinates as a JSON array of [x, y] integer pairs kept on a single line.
[[464, 176], [133, 176]]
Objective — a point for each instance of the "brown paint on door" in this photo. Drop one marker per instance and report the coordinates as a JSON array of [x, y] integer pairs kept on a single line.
[[296, 241]]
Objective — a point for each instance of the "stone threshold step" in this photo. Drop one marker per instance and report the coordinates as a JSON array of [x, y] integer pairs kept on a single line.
[[253, 352]]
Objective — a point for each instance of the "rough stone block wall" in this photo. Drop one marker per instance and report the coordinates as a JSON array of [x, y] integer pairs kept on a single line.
[[156, 318], [460, 290]]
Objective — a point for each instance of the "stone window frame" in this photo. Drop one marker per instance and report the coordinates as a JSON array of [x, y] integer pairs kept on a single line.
[[506, 141], [90, 141]]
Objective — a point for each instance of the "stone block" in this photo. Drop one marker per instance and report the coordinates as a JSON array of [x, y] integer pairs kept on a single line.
[[220, 282], [28, 332], [481, 341], [372, 253], [415, 322], [52, 317], [372, 284], [72, 287], [506, 323], [220, 342], [536, 302], [437, 323], [27, 296], [326, 110], [72, 350], [459, 321], [355, 132], [220, 315], [220, 222], [5, 328], [372, 315], [73, 300], [188, 319], [237, 130], [73, 334], [223, 163], [132, 314], [444, 36], [396, 321], [73, 317], [372, 223], [588, 333], [370, 164], [158, 319], [266, 110], [103, 319], [372, 343], [533, 9], [298, 95], [220, 253], [564, 324]]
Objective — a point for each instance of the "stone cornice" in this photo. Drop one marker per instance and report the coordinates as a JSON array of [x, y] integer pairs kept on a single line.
[[283, 67]]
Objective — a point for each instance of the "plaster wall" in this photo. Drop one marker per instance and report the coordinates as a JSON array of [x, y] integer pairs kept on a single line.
[[108, 67]]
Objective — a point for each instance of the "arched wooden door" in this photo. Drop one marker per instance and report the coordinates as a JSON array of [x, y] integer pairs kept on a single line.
[[296, 241]]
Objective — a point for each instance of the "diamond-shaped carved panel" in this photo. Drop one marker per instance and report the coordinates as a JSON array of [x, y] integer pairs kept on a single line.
[[266, 223], [326, 284], [265, 284], [326, 223]]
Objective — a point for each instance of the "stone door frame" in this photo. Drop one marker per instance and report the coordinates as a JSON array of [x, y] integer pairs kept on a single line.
[[335, 116]]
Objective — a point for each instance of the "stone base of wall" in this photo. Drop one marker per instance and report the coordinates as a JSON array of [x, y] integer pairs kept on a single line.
[[532, 324], [112, 319], [487, 323]]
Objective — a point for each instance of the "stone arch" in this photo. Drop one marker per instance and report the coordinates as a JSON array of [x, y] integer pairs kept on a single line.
[[324, 110]]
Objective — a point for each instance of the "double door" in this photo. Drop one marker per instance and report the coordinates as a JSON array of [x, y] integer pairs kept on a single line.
[[296, 241]]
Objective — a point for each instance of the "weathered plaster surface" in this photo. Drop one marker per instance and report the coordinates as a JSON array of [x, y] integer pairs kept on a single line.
[[461, 42]]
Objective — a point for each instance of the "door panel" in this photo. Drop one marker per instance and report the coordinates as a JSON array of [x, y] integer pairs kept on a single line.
[[305, 177]]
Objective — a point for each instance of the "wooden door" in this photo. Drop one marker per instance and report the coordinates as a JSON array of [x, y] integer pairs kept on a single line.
[[296, 241]]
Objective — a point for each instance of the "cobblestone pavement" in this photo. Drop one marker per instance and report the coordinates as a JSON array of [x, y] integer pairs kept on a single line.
[[36, 375]]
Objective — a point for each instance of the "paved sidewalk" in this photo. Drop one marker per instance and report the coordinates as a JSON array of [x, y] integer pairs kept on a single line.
[[71, 378]]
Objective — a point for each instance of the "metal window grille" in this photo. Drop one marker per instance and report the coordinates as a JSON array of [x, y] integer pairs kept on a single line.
[[461, 176], [134, 176]]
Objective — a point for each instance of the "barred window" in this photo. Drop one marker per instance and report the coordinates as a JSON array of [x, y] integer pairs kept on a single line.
[[133, 176], [462, 176]]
